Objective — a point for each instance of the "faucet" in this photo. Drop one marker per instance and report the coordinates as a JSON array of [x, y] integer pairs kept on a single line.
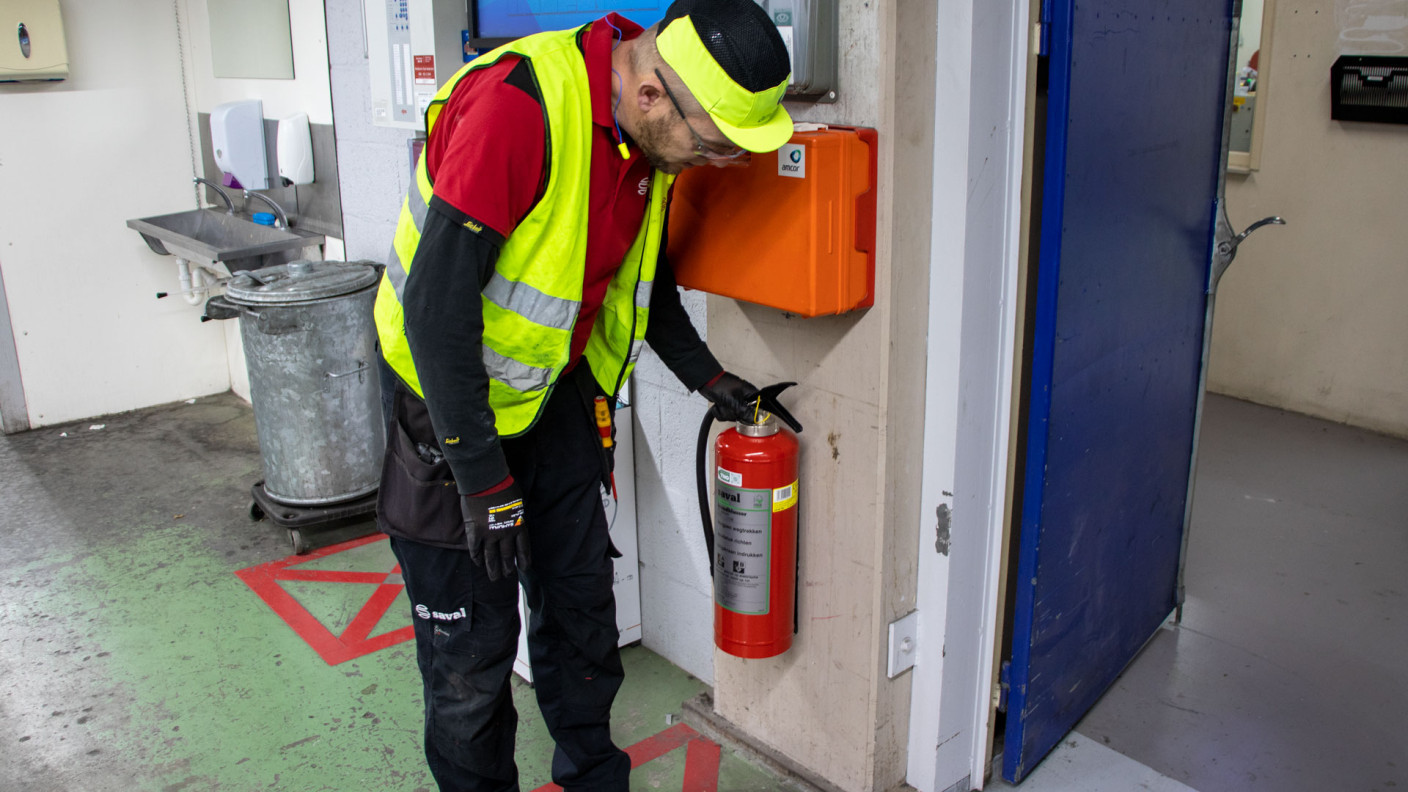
[[278, 210], [224, 196]]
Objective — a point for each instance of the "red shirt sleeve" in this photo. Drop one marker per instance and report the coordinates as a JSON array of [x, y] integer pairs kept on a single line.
[[485, 154]]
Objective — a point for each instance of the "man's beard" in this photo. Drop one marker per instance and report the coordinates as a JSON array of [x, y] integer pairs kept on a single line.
[[652, 137]]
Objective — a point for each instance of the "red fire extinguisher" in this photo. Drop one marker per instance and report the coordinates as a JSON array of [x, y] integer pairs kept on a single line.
[[752, 539]]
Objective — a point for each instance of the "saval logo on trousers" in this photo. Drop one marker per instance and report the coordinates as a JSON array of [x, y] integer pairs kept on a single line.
[[427, 613]]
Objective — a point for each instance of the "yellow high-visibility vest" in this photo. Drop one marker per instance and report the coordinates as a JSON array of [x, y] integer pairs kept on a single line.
[[533, 298]]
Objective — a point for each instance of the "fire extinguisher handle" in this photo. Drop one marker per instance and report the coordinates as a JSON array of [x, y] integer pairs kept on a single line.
[[767, 397]]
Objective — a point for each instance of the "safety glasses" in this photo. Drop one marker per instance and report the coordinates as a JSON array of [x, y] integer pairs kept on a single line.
[[701, 147]]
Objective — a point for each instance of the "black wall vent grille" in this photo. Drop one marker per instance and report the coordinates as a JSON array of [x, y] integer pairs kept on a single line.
[[1369, 88]]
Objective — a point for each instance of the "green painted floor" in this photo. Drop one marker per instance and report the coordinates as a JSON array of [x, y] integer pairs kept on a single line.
[[134, 658]]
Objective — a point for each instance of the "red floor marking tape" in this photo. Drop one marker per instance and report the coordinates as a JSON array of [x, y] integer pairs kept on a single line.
[[355, 640], [701, 766], [331, 576], [701, 759], [657, 746]]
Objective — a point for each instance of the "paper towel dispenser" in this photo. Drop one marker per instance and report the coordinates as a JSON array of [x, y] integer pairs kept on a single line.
[[32, 43]]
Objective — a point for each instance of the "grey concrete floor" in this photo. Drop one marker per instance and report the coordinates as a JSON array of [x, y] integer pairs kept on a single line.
[[1287, 672], [133, 655]]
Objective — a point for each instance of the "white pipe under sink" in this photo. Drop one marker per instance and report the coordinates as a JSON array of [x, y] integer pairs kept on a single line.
[[193, 292]]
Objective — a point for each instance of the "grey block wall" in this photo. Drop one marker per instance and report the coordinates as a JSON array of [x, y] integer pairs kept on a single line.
[[677, 612], [371, 160]]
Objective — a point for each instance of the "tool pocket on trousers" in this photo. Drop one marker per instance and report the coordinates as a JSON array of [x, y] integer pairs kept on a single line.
[[418, 499], [486, 628]]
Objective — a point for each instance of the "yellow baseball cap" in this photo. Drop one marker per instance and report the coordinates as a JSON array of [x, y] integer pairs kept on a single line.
[[732, 59]]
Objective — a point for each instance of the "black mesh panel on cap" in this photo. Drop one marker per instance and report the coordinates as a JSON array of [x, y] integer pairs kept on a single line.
[[740, 37]]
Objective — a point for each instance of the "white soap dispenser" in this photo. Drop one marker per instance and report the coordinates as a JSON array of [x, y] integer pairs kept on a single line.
[[237, 135], [294, 150]]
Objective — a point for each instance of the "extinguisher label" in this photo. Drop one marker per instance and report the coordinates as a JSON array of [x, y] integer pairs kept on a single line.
[[784, 498], [731, 478], [742, 538]]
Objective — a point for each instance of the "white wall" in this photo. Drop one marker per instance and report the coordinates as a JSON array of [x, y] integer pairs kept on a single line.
[[1311, 317], [77, 159], [118, 140], [308, 91]]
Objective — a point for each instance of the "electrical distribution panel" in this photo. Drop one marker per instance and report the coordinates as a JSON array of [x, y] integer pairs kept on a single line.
[[32, 45], [413, 47], [808, 28], [794, 229]]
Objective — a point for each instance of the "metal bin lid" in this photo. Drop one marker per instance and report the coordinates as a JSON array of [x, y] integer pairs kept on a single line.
[[300, 281]]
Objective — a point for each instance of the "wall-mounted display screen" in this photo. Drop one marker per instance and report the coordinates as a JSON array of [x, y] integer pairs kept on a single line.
[[515, 18]]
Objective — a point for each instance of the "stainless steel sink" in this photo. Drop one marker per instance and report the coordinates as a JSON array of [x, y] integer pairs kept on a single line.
[[213, 235]]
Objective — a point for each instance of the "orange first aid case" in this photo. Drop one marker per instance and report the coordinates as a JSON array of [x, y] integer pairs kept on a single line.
[[794, 229]]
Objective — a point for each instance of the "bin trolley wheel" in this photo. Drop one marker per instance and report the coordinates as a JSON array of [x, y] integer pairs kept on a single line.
[[304, 523]]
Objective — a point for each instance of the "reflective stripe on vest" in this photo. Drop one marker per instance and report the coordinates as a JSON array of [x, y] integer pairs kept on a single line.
[[515, 374], [528, 302], [522, 299]]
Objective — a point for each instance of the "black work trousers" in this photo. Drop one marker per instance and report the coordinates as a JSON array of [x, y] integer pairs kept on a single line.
[[466, 626]]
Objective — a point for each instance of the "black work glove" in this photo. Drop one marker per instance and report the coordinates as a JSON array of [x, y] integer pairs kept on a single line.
[[495, 531], [732, 397]]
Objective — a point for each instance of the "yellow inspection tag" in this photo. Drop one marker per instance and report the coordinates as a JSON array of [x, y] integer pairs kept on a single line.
[[784, 498]]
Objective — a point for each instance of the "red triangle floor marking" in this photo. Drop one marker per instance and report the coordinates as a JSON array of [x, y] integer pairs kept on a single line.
[[701, 765], [354, 641]]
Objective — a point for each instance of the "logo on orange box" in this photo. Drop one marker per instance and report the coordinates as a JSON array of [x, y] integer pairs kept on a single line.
[[792, 161]]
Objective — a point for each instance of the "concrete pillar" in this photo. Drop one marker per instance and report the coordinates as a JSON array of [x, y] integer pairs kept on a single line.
[[827, 704]]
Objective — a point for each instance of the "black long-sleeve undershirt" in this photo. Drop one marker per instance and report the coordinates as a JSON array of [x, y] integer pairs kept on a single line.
[[445, 329]]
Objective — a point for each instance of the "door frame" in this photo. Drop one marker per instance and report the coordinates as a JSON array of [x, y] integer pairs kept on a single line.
[[14, 411], [980, 133]]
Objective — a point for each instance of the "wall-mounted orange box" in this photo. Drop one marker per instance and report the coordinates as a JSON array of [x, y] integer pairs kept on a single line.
[[794, 230]]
